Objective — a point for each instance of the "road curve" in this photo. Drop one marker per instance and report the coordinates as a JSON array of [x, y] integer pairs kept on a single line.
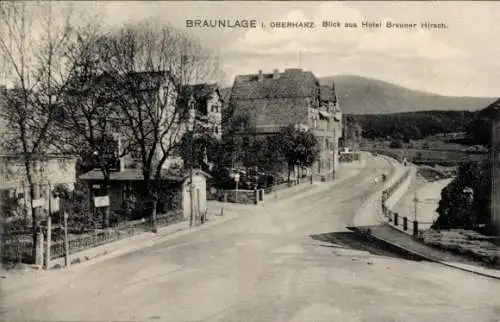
[[275, 264]]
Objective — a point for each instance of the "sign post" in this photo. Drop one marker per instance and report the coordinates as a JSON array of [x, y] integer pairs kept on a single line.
[[66, 241], [49, 239]]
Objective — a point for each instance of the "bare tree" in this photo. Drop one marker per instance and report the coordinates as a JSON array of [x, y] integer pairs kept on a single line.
[[90, 116], [152, 62], [34, 38]]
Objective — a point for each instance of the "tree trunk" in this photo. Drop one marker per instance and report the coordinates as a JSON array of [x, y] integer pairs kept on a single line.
[[289, 173], [34, 220], [34, 217], [154, 203]]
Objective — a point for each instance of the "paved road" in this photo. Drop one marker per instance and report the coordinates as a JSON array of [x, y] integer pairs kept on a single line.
[[273, 265]]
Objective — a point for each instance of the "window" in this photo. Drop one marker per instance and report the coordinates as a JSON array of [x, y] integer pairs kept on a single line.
[[128, 190], [214, 108], [216, 130]]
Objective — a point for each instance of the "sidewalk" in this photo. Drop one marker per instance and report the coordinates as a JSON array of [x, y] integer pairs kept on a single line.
[[230, 211], [390, 235], [371, 219], [136, 242], [370, 212], [18, 280]]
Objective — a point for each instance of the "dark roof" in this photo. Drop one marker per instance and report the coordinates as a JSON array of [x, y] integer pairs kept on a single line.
[[326, 93], [146, 81], [492, 111], [225, 94], [290, 84], [199, 91], [136, 175]]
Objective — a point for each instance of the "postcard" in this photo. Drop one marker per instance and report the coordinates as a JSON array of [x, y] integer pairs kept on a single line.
[[250, 161]]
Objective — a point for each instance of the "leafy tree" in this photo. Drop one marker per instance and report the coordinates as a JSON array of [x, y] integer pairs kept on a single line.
[[299, 147], [460, 209], [195, 149]]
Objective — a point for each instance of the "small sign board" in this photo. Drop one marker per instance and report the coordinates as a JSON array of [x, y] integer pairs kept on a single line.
[[102, 201], [40, 202]]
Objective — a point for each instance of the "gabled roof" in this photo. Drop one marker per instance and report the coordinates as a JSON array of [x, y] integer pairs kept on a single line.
[[200, 91], [292, 83], [136, 175], [492, 111], [147, 80]]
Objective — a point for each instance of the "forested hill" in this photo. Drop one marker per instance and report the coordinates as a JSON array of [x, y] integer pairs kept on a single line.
[[415, 125], [361, 95]]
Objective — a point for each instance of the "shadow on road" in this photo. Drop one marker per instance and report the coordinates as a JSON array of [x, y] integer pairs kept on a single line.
[[362, 242]]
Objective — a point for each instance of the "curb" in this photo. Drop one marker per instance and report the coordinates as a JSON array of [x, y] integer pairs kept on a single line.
[[408, 251], [427, 258], [85, 261]]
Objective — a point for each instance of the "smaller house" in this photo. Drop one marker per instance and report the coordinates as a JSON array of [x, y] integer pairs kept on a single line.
[[208, 104], [129, 185]]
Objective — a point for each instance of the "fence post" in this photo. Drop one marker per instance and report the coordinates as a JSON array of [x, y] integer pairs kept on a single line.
[[415, 227], [396, 219], [261, 192], [311, 178], [222, 211], [405, 223], [39, 248], [49, 240], [66, 241], [256, 195]]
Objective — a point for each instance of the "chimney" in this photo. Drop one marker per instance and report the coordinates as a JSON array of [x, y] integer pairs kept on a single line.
[[261, 77], [276, 74]]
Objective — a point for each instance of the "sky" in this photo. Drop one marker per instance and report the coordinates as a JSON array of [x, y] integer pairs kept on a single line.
[[461, 60]]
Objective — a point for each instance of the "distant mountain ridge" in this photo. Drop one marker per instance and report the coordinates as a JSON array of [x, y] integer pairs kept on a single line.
[[362, 95]]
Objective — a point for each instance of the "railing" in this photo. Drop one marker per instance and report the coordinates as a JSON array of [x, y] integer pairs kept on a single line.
[[394, 218], [18, 247]]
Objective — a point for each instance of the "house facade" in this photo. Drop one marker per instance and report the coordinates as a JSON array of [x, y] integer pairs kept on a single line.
[[127, 185], [180, 110], [205, 104], [48, 171], [495, 157], [278, 99]]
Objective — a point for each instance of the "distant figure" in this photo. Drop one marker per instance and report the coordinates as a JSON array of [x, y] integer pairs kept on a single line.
[[384, 177]]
